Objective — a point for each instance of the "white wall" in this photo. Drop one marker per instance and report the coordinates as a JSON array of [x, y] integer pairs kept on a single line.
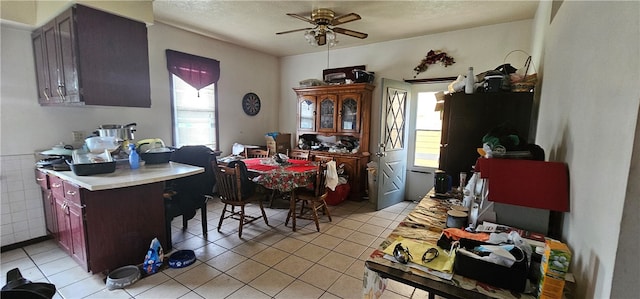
[[484, 48], [241, 71], [588, 118], [26, 127]]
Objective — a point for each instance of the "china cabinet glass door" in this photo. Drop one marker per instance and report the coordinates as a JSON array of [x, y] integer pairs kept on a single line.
[[327, 120], [349, 114], [307, 114]]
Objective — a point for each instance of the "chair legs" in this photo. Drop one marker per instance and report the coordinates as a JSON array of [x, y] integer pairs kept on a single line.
[[314, 206], [241, 216]]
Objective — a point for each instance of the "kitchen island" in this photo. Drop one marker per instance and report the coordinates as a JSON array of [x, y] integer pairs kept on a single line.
[[107, 221]]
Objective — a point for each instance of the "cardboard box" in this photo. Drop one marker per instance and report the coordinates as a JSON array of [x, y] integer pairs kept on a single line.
[[280, 144], [553, 269], [550, 287], [556, 258]]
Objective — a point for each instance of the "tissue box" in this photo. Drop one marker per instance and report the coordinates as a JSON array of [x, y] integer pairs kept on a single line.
[[280, 143]]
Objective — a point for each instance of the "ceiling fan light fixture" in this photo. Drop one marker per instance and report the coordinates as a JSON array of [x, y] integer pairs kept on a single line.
[[324, 33]]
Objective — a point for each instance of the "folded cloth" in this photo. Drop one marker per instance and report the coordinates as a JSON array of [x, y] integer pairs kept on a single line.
[[457, 234], [332, 175]]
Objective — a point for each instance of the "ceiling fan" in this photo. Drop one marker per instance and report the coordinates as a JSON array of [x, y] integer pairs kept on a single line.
[[324, 19]]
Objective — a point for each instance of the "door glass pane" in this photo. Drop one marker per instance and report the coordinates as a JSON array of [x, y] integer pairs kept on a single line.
[[326, 114], [349, 114], [306, 115], [394, 124]]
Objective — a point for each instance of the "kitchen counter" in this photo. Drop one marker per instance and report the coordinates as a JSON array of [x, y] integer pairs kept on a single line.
[[106, 221], [126, 177]]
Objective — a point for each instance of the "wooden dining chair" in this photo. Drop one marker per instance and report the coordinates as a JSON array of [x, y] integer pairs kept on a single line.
[[322, 159], [256, 153], [312, 201], [297, 154], [230, 183]]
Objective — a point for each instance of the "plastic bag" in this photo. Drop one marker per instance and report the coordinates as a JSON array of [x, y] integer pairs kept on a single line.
[[153, 259]]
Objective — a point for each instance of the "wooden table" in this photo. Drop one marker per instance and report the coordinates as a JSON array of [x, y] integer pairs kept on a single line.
[[424, 223], [284, 178]]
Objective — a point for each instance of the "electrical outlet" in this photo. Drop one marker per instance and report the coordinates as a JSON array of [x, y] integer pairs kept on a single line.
[[78, 136]]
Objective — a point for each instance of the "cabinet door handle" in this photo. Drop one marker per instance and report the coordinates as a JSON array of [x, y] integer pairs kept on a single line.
[[60, 89], [72, 193], [56, 185], [44, 92], [39, 179]]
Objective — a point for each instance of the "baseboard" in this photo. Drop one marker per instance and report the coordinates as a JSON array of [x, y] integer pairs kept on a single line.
[[24, 243]]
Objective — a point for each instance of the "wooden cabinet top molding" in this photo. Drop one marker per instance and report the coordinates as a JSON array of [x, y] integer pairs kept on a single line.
[[342, 88]]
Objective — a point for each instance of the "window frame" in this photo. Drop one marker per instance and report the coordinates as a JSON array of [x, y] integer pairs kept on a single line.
[[415, 89], [173, 113]]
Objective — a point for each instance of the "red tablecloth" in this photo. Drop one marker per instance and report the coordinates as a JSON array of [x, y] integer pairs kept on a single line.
[[294, 174]]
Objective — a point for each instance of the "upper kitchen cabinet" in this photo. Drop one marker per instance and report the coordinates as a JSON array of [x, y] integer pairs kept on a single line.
[[86, 56]]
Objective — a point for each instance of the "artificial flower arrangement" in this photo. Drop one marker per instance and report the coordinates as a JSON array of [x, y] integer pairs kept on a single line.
[[433, 57]]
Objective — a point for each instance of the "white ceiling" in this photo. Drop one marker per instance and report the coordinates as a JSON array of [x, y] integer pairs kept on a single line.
[[253, 24]]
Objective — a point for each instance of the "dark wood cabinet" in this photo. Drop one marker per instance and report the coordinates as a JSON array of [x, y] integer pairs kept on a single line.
[[340, 111], [467, 118], [104, 229], [86, 56], [48, 202], [69, 214]]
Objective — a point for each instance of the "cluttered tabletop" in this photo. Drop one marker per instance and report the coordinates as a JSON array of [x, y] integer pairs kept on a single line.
[[425, 251]]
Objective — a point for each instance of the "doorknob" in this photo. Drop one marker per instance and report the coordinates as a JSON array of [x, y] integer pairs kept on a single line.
[[380, 153]]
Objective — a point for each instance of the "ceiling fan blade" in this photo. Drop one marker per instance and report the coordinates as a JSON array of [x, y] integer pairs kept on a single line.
[[294, 30], [345, 19], [350, 32], [300, 17]]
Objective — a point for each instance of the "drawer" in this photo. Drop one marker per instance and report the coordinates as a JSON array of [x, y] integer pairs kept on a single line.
[[55, 184], [42, 179], [72, 193]]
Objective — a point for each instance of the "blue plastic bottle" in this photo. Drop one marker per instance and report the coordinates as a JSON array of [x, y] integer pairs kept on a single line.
[[134, 158]]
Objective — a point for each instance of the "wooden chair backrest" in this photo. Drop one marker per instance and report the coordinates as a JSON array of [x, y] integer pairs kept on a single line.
[[299, 155], [228, 183], [321, 172], [322, 159], [256, 153]]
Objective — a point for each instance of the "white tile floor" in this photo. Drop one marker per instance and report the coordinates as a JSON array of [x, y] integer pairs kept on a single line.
[[268, 262]]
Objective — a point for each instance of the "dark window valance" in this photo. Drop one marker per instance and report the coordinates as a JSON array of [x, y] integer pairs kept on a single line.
[[197, 71]]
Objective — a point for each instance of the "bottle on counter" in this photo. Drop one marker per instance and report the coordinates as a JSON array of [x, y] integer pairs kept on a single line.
[[470, 82], [134, 158]]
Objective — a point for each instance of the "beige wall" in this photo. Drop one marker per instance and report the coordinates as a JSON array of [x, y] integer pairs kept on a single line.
[[484, 48], [36, 13], [588, 118]]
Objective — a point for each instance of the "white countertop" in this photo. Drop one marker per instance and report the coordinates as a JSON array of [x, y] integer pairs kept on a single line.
[[126, 177]]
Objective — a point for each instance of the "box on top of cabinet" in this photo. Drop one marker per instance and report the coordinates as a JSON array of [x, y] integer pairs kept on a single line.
[[278, 142]]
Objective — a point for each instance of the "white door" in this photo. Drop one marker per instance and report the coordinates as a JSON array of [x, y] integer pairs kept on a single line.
[[392, 151]]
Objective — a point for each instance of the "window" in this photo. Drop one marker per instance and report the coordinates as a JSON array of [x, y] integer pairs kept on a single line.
[[194, 114], [427, 131], [193, 96], [425, 126]]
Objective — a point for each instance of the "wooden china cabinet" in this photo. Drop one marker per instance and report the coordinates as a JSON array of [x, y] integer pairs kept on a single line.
[[344, 112]]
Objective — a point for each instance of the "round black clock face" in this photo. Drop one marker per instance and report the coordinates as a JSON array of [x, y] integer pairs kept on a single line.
[[251, 104]]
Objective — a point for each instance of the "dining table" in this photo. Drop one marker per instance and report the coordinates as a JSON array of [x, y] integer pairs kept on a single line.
[[284, 177]]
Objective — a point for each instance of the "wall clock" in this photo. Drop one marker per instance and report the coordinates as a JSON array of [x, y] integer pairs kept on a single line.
[[251, 104]]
